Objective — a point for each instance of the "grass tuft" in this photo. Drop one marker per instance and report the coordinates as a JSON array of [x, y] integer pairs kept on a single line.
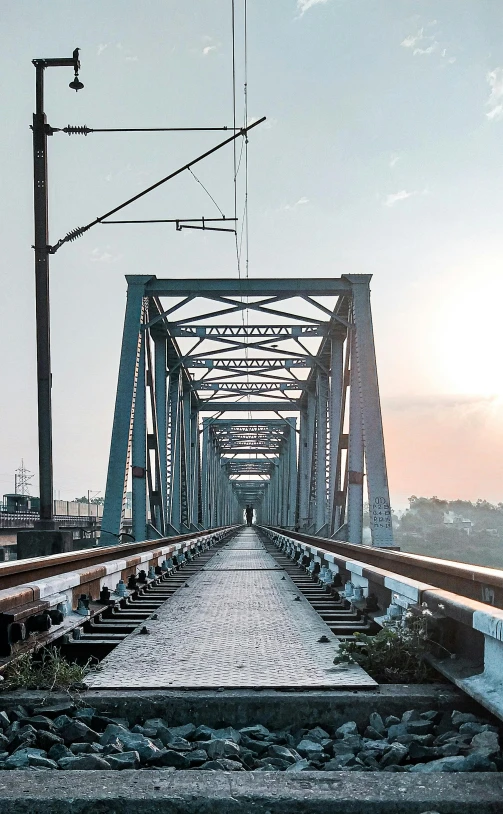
[[395, 655], [47, 670]]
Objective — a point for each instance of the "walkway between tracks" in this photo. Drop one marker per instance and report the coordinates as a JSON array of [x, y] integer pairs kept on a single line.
[[235, 624]]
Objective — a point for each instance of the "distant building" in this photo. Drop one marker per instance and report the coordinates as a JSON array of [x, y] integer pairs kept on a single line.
[[20, 503], [458, 522]]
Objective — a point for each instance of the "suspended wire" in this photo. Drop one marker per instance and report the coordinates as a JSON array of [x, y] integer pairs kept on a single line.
[[208, 193], [234, 154], [243, 236], [240, 157], [245, 214], [246, 137]]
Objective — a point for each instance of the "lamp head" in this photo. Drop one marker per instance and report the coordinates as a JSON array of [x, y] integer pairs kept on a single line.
[[76, 84]]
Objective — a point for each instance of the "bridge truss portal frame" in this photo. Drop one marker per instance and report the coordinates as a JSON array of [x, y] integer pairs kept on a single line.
[[314, 428]]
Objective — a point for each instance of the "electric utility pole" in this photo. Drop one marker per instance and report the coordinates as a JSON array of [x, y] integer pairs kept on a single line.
[[41, 130]]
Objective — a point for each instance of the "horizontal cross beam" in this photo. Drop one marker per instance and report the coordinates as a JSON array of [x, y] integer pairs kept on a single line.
[[251, 387], [249, 364], [236, 331], [244, 406], [251, 287]]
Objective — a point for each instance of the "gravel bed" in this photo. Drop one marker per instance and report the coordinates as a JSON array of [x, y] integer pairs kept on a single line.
[[67, 737]]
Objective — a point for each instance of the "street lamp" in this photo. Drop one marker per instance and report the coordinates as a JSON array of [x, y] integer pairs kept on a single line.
[[41, 130]]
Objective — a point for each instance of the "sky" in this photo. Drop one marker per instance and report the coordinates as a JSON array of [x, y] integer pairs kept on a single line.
[[382, 153]]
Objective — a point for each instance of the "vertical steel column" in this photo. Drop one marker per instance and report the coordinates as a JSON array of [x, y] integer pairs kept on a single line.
[[303, 480], [321, 448], [310, 450], [355, 453], [282, 487], [212, 497], [118, 462], [139, 453], [277, 493], [175, 486], [336, 397], [160, 390], [187, 469], [194, 466], [205, 472], [377, 476], [292, 463]]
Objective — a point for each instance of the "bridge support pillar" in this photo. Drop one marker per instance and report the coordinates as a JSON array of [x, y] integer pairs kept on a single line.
[[118, 464], [355, 455], [43, 543], [375, 457]]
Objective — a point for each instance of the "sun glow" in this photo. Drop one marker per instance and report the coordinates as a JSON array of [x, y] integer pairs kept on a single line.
[[467, 331]]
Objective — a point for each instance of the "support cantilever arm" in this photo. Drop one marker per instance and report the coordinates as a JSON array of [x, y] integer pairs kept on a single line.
[[75, 233]]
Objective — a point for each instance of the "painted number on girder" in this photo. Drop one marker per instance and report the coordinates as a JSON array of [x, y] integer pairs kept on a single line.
[[381, 513]]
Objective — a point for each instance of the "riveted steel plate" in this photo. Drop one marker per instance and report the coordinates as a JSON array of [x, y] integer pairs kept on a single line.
[[246, 540], [235, 629], [233, 559]]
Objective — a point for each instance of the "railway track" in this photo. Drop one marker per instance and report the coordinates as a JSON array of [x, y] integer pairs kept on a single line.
[[109, 626], [263, 596], [90, 602]]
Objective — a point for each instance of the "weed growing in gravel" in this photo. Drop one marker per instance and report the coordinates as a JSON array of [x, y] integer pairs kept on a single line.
[[395, 655], [47, 670]]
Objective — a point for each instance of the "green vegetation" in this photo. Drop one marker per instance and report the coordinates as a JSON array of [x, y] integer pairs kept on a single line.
[[395, 655], [46, 670], [452, 529]]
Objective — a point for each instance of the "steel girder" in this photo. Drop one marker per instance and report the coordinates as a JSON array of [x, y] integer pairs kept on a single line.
[[302, 347]]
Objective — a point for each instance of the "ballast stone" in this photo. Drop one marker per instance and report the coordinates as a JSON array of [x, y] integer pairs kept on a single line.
[[78, 731], [472, 763], [309, 748], [349, 728], [124, 760], [217, 749], [84, 762]]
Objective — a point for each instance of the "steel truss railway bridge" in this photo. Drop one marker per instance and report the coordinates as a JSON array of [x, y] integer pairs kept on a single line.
[[236, 394], [251, 392]]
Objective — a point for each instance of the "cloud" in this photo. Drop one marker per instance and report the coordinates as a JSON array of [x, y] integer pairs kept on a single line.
[[412, 39], [267, 125], [495, 101], [395, 158], [208, 49], [449, 60], [421, 43], [99, 255], [103, 46], [305, 5], [300, 202], [394, 197], [425, 51]]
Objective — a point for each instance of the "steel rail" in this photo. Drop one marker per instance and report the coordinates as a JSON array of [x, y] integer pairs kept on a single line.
[[476, 582], [19, 572]]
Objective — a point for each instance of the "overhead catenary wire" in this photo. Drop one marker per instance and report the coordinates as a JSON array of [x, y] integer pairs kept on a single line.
[[247, 240], [84, 130], [207, 192], [234, 155], [75, 233]]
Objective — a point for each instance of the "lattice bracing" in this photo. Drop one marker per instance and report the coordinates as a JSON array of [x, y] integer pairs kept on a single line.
[[257, 393]]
